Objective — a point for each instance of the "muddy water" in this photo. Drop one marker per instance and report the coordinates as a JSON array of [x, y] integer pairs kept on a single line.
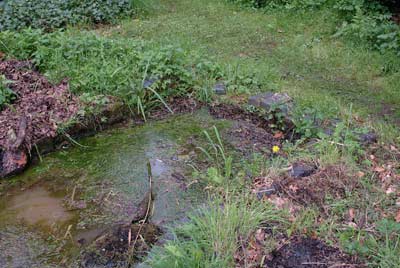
[[50, 213], [37, 206]]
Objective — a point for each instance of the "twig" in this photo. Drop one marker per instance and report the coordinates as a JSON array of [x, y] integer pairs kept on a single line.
[[149, 205]]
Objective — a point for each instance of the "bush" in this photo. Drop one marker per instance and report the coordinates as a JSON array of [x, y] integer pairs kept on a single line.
[[48, 14]]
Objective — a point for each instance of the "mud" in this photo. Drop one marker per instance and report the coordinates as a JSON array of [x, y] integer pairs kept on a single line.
[[305, 252], [38, 206], [121, 246]]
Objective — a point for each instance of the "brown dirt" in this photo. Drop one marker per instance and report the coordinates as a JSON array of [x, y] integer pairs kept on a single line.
[[306, 252], [112, 248], [332, 181], [250, 132], [248, 138], [236, 113], [179, 105], [40, 106]]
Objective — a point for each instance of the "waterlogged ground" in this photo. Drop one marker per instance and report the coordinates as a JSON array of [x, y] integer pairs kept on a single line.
[[52, 212]]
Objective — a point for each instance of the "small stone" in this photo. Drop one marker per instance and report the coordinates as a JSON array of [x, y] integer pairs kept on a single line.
[[265, 192], [367, 138], [300, 170], [149, 82], [220, 89], [271, 100]]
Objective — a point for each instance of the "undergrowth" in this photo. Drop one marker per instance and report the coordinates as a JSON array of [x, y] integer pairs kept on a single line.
[[19, 14], [142, 74]]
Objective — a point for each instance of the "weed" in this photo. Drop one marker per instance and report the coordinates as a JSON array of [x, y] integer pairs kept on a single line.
[[217, 155]]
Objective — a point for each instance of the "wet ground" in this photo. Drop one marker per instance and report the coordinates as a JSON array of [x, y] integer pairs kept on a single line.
[[54, 211]]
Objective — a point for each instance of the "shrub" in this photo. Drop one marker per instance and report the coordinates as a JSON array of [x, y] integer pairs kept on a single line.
[[48, 14]]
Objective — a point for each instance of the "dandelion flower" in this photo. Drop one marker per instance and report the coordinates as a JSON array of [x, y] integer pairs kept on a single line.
[[275, 149]]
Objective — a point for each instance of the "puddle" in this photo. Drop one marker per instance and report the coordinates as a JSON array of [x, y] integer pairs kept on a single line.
[[108, 174], [38, 206]]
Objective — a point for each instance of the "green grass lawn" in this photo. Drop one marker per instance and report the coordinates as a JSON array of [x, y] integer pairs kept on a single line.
[[287, 51]]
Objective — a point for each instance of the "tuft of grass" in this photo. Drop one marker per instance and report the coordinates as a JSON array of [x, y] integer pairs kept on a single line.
[[212, 235]]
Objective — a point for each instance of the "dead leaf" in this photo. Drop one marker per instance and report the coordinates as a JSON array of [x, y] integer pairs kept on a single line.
[[398, 216], [278, 135], [379, 169], [351, 214], [391, 189], [260, 235], [360, 174], [293, 188]]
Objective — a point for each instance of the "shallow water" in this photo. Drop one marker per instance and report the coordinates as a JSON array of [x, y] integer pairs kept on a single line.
[[37, 206], [76, 193]]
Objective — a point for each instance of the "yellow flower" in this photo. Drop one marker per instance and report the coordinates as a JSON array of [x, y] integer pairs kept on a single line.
[[275, 149]]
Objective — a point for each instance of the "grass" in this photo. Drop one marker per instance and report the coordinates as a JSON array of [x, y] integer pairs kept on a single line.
[[212, 236], [286, 51]]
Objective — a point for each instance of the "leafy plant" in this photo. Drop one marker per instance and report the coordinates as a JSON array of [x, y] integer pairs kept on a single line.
[[6, 94], [49, 14], [144, 75], [382, 248]]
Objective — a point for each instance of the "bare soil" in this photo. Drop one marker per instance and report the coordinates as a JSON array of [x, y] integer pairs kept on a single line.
[[250, 132], [306, 252]]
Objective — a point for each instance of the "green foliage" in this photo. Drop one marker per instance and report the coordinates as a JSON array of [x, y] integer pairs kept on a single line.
[[362, 20], [211, 237], [381, 248], [6, 94], [216, 153], [142, 74], [49, 14]]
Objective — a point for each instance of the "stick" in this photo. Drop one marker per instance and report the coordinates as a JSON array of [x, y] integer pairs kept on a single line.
[[148, 208]]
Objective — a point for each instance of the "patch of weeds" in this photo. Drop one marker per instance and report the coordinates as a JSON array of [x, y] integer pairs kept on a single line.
[[381, 249], [19, 14], [6, 94], [142, 74], [212, 236]]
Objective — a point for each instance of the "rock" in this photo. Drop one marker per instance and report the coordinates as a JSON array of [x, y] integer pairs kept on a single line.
[[300, 170], [265, 192], [366, 138], [149, 82], [270, 101], [220, 88], [12, 162]]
